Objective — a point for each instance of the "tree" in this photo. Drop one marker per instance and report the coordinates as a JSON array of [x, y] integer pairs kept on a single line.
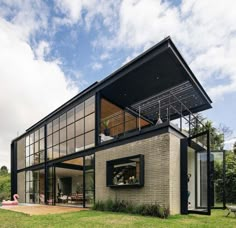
[[4, 170]]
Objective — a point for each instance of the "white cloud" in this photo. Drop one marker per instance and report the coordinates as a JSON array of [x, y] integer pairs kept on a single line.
[[42, 50], [83, 11], [96, 66], [204, 31], [30, 88]]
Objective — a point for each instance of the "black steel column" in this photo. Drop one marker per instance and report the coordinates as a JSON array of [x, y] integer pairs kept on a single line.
[[13, 169], [224, 179], [97, 117], [208, 175], [45, 166], [84, 181]]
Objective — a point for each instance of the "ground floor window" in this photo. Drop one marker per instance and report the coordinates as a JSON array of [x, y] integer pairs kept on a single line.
[[68, 183]]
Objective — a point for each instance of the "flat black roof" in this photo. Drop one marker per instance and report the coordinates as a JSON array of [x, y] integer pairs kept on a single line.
[[162, 65]]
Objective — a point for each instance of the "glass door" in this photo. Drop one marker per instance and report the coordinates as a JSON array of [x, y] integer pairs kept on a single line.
[[198, 174]]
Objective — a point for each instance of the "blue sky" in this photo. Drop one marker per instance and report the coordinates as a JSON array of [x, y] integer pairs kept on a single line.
[[52, 49]]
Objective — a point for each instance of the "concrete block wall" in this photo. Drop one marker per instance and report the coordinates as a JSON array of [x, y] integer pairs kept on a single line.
[[161, 177]]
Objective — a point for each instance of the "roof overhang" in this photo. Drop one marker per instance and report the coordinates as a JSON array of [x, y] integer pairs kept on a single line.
[[159, 71]]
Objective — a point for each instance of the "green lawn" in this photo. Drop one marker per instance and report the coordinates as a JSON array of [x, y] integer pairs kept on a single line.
[[108, 219]]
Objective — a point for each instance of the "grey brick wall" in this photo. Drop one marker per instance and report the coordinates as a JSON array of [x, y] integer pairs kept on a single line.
[[161, 178]]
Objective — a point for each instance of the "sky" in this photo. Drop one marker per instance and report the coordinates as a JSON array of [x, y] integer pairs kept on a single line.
[[50, 50]]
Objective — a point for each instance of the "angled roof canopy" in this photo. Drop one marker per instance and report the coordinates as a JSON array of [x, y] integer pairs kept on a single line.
[[148, 79]]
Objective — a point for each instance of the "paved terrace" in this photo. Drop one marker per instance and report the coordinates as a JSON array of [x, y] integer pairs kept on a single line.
[[42, 209]]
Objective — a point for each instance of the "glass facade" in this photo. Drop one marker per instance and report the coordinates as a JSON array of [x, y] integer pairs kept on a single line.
[[34, 186], [73, 131], [34, 147]]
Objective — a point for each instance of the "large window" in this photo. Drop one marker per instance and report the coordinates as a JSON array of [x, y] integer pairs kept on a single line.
[[128, 171], [73, 131], [34, 186], [34, 147]]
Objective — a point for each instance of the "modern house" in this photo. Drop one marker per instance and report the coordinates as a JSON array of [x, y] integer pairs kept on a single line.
[[132, 136]]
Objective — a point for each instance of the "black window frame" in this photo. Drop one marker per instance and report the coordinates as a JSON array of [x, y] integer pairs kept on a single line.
[[109, 170]]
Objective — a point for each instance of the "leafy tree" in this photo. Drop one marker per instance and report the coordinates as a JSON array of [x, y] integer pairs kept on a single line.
[[4, 170], [230, 182]]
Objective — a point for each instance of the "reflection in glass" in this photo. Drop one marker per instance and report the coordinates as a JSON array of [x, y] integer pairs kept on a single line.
[[49, 141], [71, 131], [79, 143], [56, 138], [63, 135], [63, 120], [41, 132], [56, 124], [89, 139], [89, 122], [49, 154], [79, 127], [41, 144], [36, 135], [70, 116], [62, 149], [71, 146], [49, 128], [31, 138], [56, 152], [79, 111], [90, 105]]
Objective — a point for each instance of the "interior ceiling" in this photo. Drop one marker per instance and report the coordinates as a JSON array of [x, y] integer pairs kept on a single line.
[[61, 172], [150, 79]]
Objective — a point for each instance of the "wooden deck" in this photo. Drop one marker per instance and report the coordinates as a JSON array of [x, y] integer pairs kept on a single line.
[[42, 209]]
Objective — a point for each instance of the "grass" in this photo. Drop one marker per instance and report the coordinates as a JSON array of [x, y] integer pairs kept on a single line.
[[107, 219]]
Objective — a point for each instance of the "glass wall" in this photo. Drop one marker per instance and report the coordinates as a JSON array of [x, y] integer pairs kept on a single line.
[[73, 131], [115, 121], [34, 147], [51, 186], [34, 186]]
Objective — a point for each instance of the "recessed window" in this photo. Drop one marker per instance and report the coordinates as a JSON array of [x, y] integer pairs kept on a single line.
[[124, 172]]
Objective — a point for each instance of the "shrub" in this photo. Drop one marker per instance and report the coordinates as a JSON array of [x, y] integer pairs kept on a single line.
[[124, 206]]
